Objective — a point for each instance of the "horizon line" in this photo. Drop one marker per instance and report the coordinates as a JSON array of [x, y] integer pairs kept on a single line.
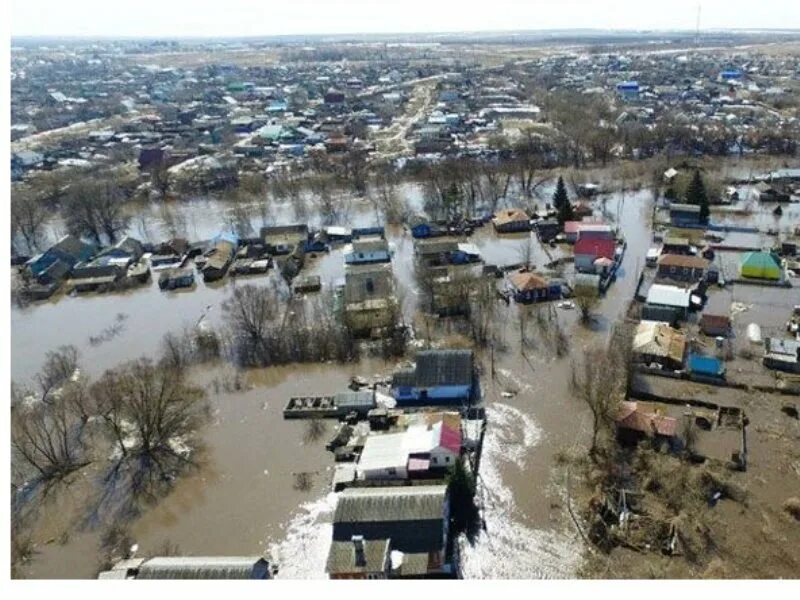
[[554, 30]]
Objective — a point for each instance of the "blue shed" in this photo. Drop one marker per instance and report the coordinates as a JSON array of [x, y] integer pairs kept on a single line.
[[421, 231], [706, 365]]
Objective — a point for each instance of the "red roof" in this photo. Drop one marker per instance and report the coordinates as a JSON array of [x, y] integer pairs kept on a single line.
[[630, 416], [596, 248], [572, 226], [451, 439]]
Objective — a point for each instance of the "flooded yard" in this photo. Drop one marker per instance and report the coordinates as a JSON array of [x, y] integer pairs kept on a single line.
[[243, 498]]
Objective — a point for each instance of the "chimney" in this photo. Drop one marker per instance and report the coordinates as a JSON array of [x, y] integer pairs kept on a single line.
[[358, 548]]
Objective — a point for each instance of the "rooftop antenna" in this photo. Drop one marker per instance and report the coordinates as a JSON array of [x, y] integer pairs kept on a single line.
[[697, 29]]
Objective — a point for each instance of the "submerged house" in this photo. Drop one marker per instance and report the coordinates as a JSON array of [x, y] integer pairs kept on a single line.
[[684, 215], [660, 344], [218, 259], [760, 265], [439, 377], [366, 251], [635, 421], [529, 287], [368, 300], [284, 239], [588, 251], [510, 220], [172, 279], [672, 297], [191, 567], [55, 263], [684, 268], [407, 524], [100, 272]]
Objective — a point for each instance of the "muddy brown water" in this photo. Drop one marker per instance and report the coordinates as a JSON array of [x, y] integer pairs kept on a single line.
[[242, 499]]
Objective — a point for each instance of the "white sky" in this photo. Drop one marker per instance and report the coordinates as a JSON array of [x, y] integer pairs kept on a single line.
[[270, 17]]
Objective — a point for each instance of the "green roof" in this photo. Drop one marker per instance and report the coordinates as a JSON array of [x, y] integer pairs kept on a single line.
[[760, 265]]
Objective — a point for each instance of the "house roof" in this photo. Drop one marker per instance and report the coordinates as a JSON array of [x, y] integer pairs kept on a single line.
[[640, 417], [204, 567], [444, 367], [714, 321], [659, 339], [525, 280], [342, 557], [415, 503], [510, 215], [668, 295], [360, 286], [595, 247], [370, 245]]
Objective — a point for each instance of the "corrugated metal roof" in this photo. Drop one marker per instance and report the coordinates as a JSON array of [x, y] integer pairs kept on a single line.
[[204, 567], [412, 503], [444, 367], [342, 557]]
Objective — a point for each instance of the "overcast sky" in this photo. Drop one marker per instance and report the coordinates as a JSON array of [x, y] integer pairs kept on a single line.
[[269, 17]]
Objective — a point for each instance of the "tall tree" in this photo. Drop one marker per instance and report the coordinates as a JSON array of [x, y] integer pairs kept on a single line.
[[562, 203], [696, 194]]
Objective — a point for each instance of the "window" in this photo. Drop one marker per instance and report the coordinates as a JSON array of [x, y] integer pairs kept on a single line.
[[447, 459]]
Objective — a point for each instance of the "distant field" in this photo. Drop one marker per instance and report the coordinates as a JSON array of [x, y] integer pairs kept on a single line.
[[196, 58]]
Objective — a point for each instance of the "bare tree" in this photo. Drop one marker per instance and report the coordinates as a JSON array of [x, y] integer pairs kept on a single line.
[[48, 438], [59, 367], [151, 413], [596, 386], [602, 380], [28, 217], [96, 208]]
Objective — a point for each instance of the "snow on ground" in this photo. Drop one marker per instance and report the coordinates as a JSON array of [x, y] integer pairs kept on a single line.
[[508, 548], [304, 550]]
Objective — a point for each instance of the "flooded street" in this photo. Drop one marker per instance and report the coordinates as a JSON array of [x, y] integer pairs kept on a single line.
[[243, 499]]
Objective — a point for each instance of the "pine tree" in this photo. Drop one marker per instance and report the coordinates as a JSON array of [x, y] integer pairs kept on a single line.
[[561, 203], [696, 194]]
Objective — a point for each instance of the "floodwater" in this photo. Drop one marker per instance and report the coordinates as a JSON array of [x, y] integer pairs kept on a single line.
[[242, 499]]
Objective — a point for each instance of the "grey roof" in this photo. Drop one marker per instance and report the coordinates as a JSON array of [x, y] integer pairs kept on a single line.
[[368, 284], [414, 503], [71, 245], [204, 567], [360, 399], [444, 367], [694, 208], [370, 245], [342, 557]]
